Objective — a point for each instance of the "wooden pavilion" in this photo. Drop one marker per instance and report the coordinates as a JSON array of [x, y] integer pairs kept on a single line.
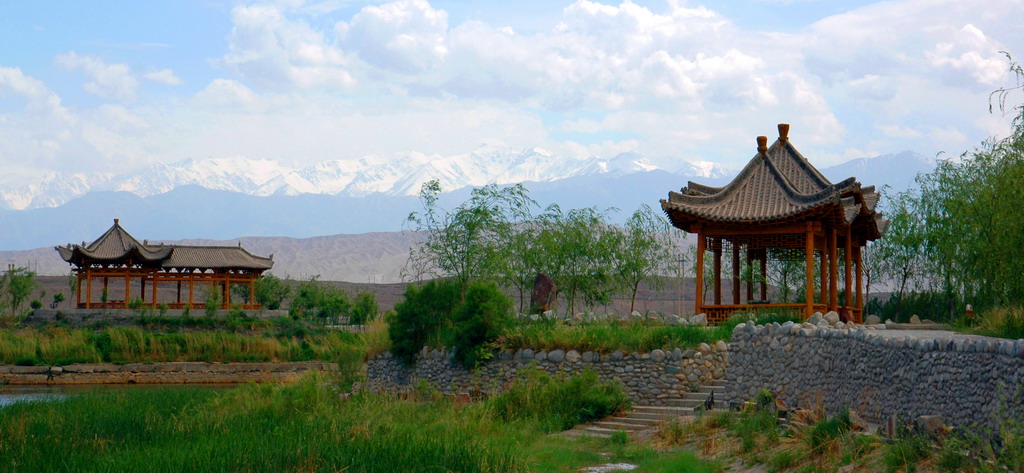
[[116, 255], [780, 207]]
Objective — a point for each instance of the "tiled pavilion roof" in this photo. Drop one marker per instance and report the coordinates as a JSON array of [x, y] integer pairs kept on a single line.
[[117, 247], [778, 185]]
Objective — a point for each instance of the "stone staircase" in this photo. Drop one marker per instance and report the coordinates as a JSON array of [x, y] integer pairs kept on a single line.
[[647, 417]]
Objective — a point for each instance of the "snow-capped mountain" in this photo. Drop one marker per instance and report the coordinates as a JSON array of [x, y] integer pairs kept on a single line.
[[393, 175]]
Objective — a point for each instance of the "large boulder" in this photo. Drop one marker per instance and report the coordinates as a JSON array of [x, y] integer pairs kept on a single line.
[[914, 319], [699, 319], [872, 320], [544, 291], [832, 317], [815, 319]]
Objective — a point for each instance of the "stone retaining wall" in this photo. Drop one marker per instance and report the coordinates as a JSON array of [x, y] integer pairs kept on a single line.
[[877, 374], [159, 373], [648, 378]]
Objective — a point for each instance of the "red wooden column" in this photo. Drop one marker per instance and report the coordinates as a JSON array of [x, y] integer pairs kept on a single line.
[[226, 300], [127, 288], [716, 249], [191, 287], [809, 254], [78, 290], [833, 283], [252, 290], [848, 260], [698, 295], [88, 288], [735, 274], [156, 283]]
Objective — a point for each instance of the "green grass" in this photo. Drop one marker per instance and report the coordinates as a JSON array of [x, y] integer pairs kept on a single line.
[[304, 427], [557, 403], [608, 338], [61, 346], [1000, 322]]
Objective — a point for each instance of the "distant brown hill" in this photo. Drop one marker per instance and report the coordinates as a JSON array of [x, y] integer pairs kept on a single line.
[[362, 258]]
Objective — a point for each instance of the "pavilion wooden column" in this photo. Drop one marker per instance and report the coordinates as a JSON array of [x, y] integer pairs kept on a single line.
[[750, 282], [177, 298], [88, 288], [127, 289], [717, 250], [833, 289], [848, 280], [764, 275], [735, 274], [78, 289], [106, 291], [191, 286], [227, 292], [809, 254], [156, 283], [860, 287], [142, 286], [252, 291], [698, 295]]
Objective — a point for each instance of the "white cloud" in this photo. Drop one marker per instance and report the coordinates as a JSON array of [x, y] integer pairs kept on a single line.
[[163, 76], [273, 51], [406, 36], [112, 81], [972, 53]]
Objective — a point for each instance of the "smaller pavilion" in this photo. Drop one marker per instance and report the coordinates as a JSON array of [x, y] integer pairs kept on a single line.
[[118, 256], [780, 207]]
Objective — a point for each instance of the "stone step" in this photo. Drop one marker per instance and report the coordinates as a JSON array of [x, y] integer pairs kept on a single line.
[[685, 403], [665, 411], [711, 388], [717, 382], [629, 419], [602, 432], [606, 424]]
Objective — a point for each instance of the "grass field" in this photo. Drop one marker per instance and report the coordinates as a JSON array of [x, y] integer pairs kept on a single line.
[[305, 427]]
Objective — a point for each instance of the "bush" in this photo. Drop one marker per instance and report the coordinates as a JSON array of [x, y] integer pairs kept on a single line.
[[212, 299], [364, 309], [419, 316], [271, 291], [320, 301], [36, 304], [825, 433], [558, 403], [479, 320]]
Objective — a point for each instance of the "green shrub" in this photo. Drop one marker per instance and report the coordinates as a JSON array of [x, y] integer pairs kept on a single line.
[[271, 291], [558, 403], [904, 452], [212, 299], [36, 304], [479, 320], [364, 309], [826, 432], [782, 460], [319, 301], [419, 316]]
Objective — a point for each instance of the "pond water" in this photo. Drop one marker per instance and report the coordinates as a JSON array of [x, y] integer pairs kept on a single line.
[[35, 393]]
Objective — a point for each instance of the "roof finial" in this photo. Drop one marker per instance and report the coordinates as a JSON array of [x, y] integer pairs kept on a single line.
[[116, 220], [784, 131], [762, 144]]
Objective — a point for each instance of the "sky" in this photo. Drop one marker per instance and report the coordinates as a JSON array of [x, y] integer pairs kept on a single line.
[[109, 86]]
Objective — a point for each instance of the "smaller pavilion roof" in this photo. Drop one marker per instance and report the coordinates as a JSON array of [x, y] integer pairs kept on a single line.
[[778, 185], [116, 246]]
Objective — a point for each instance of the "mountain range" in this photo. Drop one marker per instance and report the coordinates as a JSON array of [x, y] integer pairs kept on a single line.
[[369, 175], [346, 235]]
